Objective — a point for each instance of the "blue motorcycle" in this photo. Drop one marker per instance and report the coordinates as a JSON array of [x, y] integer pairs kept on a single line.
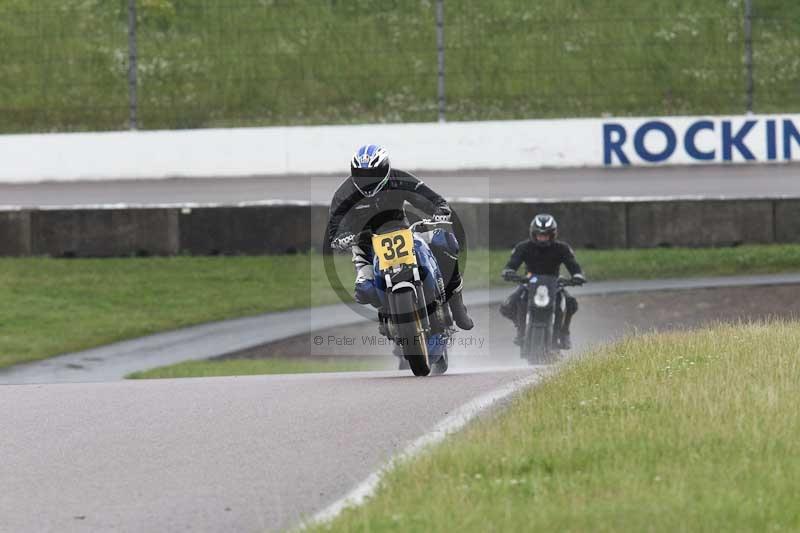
[[414, 310]]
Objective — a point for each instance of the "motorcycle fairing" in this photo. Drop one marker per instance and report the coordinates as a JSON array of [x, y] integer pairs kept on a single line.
[[428, 270]]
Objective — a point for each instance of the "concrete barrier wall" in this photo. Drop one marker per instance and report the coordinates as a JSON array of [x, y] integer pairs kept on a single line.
[[530, 144], [15, 233], [246, 230], [787, 220], [280, 229], [103, 232], [700, 223]]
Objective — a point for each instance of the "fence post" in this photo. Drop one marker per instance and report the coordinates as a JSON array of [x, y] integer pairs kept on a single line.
[[440, 53], [748, 52], [133, 68]]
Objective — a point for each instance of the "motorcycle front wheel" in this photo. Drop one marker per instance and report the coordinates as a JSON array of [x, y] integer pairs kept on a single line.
[[411, 335], [539, 345]]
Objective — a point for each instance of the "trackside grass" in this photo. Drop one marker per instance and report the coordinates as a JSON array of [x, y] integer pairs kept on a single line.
[[278, 62], [52, 306], [247, 367], [675, 432]]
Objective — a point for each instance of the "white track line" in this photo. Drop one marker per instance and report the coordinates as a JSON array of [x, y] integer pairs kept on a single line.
[[454, 422]]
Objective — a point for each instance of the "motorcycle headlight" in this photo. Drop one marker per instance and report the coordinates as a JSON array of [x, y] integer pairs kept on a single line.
[[542, 296]]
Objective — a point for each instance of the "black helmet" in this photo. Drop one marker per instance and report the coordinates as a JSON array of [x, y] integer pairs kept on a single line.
[[369, 169], [543, 224]]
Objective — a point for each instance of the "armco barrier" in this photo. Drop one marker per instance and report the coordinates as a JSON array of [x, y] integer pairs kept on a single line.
[[288, 228]]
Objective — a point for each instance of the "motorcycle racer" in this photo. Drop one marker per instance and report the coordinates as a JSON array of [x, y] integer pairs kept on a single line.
[[374, 194], [543, 255]]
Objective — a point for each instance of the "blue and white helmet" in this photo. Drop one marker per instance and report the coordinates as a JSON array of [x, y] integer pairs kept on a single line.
[[369, 169]]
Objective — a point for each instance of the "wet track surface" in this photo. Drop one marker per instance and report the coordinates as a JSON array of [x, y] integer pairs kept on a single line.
[[115, 361], [565, 184], [260, 453], [601, 318], [221, 454]]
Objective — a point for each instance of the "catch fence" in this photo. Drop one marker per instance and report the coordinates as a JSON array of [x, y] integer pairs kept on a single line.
[[78, 65]]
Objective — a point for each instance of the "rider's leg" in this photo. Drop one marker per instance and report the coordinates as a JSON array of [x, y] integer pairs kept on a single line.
[[558, 322], [445, 249], [513, 309], [456, 300], [571, 309], [365, 291]]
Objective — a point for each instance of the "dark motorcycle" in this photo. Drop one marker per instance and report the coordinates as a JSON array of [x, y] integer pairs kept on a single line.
[[539, 344]]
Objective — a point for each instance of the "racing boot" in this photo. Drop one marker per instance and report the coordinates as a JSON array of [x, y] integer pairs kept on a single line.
[[402, 362], [571, 309], [518, 338], [459, 311], [564, 341]]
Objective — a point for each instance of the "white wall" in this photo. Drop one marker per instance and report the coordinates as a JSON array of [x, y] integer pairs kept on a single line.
[[451, 146]]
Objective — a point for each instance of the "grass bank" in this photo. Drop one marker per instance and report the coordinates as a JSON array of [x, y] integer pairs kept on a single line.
[[249, 367], [211, 63], [52, 306], [680, 432]]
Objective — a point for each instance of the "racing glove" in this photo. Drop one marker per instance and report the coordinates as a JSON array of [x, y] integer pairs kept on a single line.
[[508, 274], [343, 242], [441, 214], [579, 279]]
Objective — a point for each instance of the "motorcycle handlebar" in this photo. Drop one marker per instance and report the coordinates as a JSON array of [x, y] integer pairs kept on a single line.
[[562, 282], [353, 238], [427, 221]]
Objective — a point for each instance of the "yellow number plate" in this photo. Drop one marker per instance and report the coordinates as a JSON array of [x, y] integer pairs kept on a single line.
[[394, 249]]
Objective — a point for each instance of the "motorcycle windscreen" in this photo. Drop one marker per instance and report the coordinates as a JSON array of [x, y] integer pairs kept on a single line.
[[394, 249]]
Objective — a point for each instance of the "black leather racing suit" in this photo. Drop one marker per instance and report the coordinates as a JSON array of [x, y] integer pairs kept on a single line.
[[352, 212], [542, 260]]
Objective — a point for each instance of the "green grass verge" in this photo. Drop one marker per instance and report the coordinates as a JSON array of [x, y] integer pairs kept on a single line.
[[681, 432], [212, 63], [52, 306], [249, 367]]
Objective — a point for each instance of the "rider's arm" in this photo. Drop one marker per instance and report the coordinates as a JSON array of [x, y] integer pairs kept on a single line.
[[421, 196], [341, 204], [568, 258], [516, 259]]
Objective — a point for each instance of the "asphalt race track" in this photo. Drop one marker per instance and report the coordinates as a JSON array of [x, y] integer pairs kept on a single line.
[[262, 453], [222, 454], [740, 181]]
